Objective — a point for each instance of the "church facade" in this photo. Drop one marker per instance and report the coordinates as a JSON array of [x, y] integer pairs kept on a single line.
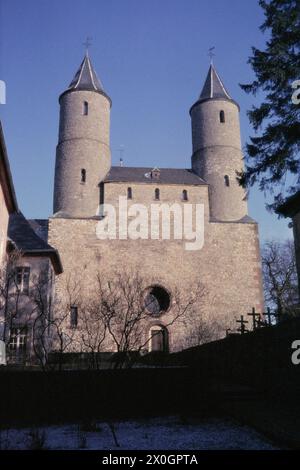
[[227, 264]]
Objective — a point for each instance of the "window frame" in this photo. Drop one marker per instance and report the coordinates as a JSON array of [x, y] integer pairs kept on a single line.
[[18, 339], [73, 316], [22, 279]]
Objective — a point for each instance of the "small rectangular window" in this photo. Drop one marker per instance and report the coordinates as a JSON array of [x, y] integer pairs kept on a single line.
[[18, 339], [85, 108], [22, 279], [74, 316], [129, 193]]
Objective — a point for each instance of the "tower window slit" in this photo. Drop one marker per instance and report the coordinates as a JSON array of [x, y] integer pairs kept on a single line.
[[184, 195], [101, 199], [226, 180], [157, 194], [129, 193], [83, 175], [222, 117], [85, 108]]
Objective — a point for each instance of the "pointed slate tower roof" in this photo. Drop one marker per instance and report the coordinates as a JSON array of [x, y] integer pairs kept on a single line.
[[213, 88], [86, 79]]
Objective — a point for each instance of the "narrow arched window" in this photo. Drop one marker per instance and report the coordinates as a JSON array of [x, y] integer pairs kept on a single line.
[[129, 193], [85, 108], [83, 175], [101, 199], [222, 116], [156, 194], [184, 195], [226, 180]]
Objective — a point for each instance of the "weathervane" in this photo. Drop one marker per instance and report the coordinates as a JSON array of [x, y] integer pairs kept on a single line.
[[87, 44], [211, 54]]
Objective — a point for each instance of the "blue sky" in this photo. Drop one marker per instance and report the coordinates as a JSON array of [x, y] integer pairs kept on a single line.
[[151, 56]]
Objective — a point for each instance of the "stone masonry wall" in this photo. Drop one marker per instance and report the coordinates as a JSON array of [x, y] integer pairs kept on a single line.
[[228, 265], [216, 154], [83, 144]]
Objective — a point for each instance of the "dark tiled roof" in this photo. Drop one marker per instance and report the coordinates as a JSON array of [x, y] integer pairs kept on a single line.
[[143, 175], [28, 242], [86, 79], [40, 226], [5, 176], [213, 88]]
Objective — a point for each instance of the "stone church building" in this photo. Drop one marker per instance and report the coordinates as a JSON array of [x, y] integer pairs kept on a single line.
[[228, 264]]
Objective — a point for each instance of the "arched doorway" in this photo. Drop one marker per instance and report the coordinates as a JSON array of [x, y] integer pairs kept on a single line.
[[159, 339]]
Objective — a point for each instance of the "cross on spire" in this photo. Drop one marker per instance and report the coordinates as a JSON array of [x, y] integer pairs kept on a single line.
[[211, 54], [87, 44]]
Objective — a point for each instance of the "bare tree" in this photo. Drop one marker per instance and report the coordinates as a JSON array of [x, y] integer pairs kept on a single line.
[[41, 297], [200, 329], [122, 312], [52, 332], [9, 293], [62, 333], [280, 276], [125, 315], [93, 332]]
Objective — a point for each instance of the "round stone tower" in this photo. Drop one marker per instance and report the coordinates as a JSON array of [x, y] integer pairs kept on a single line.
[[217, 154], [83, 151]]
